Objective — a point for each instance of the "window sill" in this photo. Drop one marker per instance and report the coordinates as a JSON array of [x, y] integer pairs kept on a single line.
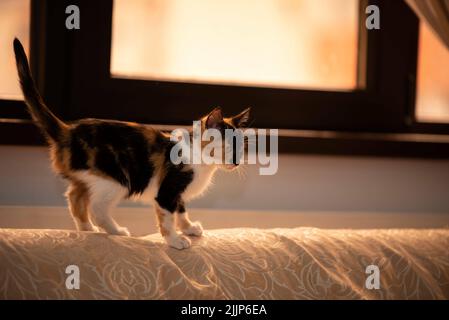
[[407, 145]]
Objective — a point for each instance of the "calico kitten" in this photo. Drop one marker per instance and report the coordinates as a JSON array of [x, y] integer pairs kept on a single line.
[[106, 161]]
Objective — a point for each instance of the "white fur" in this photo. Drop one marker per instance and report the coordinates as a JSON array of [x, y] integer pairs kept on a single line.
[[202, 179], [173, 239], [85, 226], [193, 229], [104, 195]]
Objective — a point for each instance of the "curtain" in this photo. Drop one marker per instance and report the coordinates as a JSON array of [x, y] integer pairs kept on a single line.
[[436, 14]]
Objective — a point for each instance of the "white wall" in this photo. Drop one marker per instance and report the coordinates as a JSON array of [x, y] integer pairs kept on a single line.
[[303, 182]]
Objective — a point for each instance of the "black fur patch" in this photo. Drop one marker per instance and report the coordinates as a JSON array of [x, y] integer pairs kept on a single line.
[[51, 126], [181, 206], [78, 156], [174, 184], [236, 152], [121, 151]]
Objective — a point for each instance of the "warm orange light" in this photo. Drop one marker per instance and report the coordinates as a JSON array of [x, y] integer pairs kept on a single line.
[[287, 43], [14, 22], [432, 103]]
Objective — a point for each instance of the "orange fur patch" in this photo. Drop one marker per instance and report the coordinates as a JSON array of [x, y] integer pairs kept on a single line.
[[78, 196], [160, 222]]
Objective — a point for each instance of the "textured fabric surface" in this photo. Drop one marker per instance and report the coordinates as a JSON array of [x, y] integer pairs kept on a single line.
[[301, 263]]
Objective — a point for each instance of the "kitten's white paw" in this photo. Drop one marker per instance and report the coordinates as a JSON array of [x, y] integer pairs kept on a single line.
[[95, 229], [88, 226], [195, 229], [178, 242], [120, 231]]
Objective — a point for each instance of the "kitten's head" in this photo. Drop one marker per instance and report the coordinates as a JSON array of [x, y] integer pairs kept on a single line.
[[216, 120]]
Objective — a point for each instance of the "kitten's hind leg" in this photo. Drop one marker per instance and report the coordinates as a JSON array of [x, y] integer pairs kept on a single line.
[[104, 196], [78, 199], [185, 224]]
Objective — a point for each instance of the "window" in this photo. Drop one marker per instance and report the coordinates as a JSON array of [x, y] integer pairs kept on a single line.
[[272, 43], [432, 104], [14, 22], [373, 100], [364, 93]]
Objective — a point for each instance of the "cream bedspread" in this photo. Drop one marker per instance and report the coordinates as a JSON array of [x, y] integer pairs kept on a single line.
[[302, 263]]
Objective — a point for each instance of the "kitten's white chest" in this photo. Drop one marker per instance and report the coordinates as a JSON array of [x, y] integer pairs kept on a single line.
[[202, 178]]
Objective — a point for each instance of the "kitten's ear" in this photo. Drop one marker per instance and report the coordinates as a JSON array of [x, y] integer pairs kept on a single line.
[[241, 120], [214, 119]]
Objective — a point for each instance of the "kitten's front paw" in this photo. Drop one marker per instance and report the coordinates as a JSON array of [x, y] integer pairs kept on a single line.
[[121, 231], [195, 229], [178, 242], [87, 226], [95, 229]]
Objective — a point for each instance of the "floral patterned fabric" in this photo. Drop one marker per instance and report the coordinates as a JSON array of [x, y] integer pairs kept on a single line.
[[301, 263]]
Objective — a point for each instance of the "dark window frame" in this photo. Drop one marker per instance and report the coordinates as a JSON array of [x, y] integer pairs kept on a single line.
[[72, 71]]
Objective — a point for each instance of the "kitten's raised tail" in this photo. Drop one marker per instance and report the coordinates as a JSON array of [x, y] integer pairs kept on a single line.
[[52, 126]]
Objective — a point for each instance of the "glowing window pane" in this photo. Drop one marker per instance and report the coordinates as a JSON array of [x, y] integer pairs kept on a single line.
[[14, 22], [432, 99], [276, 43]]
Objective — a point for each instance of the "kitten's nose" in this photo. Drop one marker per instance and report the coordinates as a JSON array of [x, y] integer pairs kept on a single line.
[[231, 166]]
